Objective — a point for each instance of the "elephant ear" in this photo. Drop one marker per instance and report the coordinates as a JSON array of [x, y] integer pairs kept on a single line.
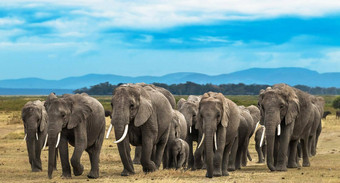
[[198, 125], [144, 111], [292, 111], [79, 113], [226, 110], [44, 117]]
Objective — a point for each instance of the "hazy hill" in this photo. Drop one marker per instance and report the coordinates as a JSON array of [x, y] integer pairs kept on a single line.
[[291, 76]]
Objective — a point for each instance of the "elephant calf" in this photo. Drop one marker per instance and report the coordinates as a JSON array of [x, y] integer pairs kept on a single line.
[[180, 153], [34, 117]]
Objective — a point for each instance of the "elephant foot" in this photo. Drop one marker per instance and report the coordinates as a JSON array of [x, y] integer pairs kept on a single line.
[[36, 170], [271, 167], [151, 167], [66, 176], [79, 170], [281, 168], [217, 173], [260, 161], [306, 164], [127, 173], [292, 165], [225, 173], [93, 175], [231, 168], [208, 176]]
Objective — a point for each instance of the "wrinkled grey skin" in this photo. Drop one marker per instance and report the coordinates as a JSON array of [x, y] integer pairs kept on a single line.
[[148, 113], [291, 108], [189, 108], [171, 99], [219, 115], [178, 129], [81, 121], [239, 150], [256, 115], [261, 151], [35, 118], [180, 152]]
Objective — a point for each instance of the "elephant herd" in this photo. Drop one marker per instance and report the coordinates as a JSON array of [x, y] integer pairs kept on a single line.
[[147, 116]]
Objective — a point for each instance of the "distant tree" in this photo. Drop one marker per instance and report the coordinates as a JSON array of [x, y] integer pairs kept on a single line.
[[336, 103]]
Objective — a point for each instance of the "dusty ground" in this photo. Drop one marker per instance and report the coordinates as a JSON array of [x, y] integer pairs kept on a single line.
[[14, 166]]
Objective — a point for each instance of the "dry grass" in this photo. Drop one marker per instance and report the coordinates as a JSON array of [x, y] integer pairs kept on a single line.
[[14, 166]]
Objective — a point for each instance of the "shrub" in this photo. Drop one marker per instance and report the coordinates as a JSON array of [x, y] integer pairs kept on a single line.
[[336, 103]]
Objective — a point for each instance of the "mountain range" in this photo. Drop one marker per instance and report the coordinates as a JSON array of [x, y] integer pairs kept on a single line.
[[291, 76]]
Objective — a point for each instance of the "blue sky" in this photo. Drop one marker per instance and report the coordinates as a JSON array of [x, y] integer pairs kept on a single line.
[[61, 39]]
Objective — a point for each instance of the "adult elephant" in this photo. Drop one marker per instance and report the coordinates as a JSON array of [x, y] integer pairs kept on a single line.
[[239, 151], [35, 118], [141, 115], [285, 111], [189, 108], [318, 107], [178, 129], [78, 120], [218, 121], [256, 116]]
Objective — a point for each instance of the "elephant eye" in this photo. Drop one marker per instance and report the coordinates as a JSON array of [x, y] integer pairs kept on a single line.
[[282, 106], [132, 106]]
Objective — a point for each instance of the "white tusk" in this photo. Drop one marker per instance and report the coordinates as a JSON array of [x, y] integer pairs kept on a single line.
[[25, 136], [190, 129], [36, 135], [262, 136], [124, 135], [45, 141], [56, 146], [109, 131], [257, 124], [201, 141], [278, 130], [215, 141]]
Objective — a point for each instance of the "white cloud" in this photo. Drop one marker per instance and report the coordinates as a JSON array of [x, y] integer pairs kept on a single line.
[[9, 21]]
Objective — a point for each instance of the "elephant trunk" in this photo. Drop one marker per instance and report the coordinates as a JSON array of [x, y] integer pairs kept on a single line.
[[209, 146], [31, 143], [124, 148], [52, 141], [270, 137]]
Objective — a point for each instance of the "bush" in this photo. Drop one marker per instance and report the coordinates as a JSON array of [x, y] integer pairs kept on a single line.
[[336, 103]]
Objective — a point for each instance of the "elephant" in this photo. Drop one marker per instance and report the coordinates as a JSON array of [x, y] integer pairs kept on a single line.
[[180, 152], [108, 114], [325, 114], [178, 129], [285, 113], [77, 120], [261, 148], [256, 115], [318, 108], [35, 118], [171, 99], [218, 122], [189, 108], [238, 155], [141, 116]]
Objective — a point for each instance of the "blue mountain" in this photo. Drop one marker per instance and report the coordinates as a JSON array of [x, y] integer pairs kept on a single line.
[[291, 76]]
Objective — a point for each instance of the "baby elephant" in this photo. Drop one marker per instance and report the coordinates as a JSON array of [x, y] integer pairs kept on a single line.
[[180, 153]]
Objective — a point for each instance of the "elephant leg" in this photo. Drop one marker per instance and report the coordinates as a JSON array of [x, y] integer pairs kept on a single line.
[[166, 157], [259, 153], [94, 154], [191, 154], [244, 152], [225, 159], [37, 155], [160, 148], [181, 161], [292, 160], [284, 140], [147, 148], [63, 151], [305, 156], [249, 156], [264, 151], [198, 162], [138, 154], [232, 156], [78, 168]]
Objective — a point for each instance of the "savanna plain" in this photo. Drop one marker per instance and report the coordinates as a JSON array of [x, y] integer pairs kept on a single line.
[[14, 165]]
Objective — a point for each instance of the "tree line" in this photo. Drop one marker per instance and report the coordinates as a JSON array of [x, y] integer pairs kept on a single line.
[[190, 88]]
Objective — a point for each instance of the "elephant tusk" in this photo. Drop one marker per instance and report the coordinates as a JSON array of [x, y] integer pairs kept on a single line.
[[278, 130], [56, 146], [215, 141], [109, 131], [257, 124], [36, 135], [262, 136], [25, 136], [190, 129], [201, 141], [45, 141], [124, 135]]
